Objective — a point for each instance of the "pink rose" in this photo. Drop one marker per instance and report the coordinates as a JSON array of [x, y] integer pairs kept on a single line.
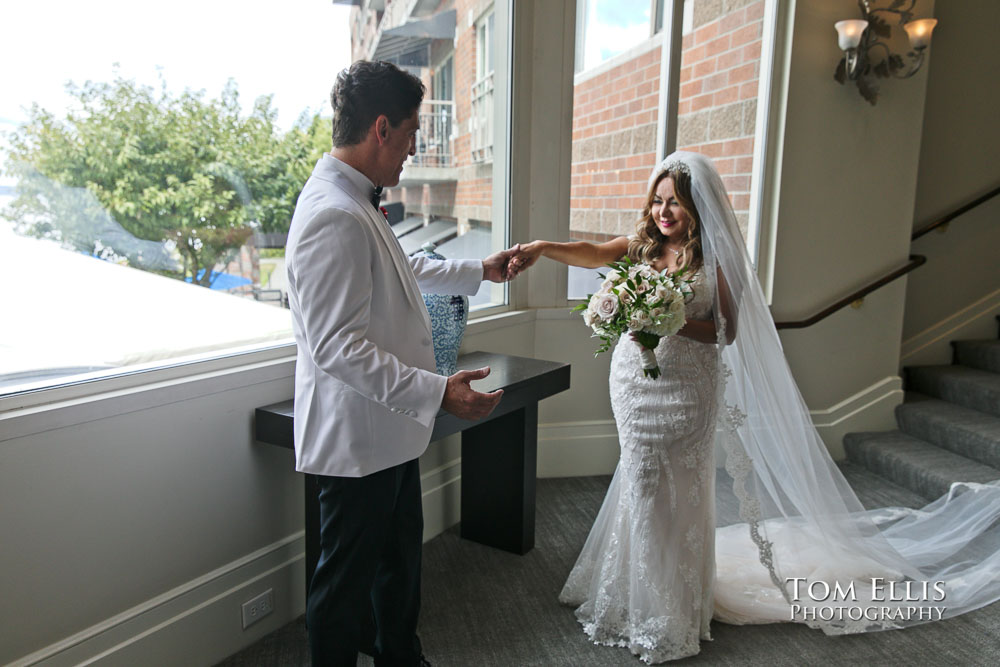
[[607, 307]]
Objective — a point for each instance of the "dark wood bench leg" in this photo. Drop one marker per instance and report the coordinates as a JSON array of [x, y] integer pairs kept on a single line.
[[499, 460]]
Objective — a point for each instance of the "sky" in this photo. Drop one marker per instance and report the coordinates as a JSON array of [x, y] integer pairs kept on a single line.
[[612, 27], [292, 48]]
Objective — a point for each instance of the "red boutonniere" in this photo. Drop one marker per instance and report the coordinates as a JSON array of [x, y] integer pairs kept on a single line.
[[384, 212]]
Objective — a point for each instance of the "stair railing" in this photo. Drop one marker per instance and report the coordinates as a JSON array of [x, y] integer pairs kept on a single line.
[[856, 297]]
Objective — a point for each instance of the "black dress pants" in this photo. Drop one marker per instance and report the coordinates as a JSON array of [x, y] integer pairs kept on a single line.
[[365, 592]]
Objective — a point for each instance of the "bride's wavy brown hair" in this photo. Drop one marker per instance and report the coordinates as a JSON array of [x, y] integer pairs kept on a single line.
[[647, 244]]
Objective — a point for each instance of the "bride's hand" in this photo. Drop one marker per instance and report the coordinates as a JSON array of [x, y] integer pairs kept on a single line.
[[526, 256]]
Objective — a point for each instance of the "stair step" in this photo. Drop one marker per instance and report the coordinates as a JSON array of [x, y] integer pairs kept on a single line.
[[875, 491], [971, 387], [981, 354], [913, 463], [916, 397], [969, 433]]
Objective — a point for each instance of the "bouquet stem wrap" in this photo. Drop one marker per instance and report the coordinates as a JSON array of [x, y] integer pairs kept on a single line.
[[647, 353]]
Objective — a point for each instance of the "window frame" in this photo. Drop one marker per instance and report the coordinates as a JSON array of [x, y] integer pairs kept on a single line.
[[772, 90], [502, 14]]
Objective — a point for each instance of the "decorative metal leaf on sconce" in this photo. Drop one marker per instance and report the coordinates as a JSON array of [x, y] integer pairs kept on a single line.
[[867, 56]]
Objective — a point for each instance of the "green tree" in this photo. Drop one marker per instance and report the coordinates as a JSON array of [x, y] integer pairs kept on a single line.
[[144, 175]]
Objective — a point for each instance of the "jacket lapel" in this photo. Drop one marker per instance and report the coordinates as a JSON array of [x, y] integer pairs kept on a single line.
[[401, 262], [380, 227]]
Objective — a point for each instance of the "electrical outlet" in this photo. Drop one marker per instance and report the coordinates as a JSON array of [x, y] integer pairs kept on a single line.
[[258, 608]]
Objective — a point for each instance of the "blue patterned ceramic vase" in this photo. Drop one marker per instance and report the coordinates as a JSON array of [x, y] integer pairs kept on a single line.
[[449, 315]]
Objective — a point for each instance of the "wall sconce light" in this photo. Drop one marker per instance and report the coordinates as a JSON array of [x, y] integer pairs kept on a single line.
[[863, 41]]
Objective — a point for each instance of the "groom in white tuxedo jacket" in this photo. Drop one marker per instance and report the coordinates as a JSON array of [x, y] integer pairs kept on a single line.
[[366, 393]]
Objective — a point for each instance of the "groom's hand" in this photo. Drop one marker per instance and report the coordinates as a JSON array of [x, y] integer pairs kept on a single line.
[[465, 402], [496, 267], [527, 255]]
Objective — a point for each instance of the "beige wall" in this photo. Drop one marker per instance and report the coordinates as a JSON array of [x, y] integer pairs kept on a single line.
[[848, 180], [957, 293], [147, 509]]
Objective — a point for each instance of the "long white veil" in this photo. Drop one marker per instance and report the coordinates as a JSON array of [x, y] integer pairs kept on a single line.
[[808, 550]]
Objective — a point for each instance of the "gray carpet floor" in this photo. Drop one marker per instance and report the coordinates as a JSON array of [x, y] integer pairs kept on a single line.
[[485, 607]]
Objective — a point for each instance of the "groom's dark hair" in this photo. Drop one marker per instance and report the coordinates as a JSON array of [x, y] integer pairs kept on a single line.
[[366, 90]]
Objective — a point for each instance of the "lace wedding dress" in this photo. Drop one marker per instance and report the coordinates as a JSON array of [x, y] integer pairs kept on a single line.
[[644, 577]]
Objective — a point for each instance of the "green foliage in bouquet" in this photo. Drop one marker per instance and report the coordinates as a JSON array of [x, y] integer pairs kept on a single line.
[[636, 299]]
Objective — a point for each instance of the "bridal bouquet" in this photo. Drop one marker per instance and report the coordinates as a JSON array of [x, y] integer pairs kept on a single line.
[[635, 298]]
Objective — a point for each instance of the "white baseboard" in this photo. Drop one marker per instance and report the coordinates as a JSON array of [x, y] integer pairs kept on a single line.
[[871, 409], [198, 623], [573, 449], [933, 344], [576, 449], [442, 498]]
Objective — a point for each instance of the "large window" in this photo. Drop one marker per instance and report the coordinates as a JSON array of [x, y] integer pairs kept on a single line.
[[617, 116], [607, 28], [144, 207], [452, 193]]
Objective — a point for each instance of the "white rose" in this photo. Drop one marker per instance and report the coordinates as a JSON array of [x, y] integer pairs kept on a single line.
[[677, 307], [589, 317], [638, 321], [607, 307], [625, 298], [656, 313]]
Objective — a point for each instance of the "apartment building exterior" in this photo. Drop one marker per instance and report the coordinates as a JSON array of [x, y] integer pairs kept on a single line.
[[449, 45]]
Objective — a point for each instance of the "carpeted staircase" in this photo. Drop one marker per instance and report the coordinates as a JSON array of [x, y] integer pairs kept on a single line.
[[949, 425]]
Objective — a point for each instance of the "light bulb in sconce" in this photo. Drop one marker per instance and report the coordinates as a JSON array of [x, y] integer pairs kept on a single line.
[[849, 33], [919, 32], [866, 41]]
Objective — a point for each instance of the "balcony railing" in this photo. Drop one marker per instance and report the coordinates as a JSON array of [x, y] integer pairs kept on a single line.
[[435, 140], [481, 121]]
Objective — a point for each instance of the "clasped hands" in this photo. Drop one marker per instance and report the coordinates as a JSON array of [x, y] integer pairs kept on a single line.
[[505, 265], [460, 399]]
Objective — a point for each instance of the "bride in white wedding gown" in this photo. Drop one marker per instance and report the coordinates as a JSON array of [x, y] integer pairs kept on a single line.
[[644, 578], [654, 569]]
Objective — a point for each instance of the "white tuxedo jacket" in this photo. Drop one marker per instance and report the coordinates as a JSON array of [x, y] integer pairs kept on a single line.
[[365, 388]]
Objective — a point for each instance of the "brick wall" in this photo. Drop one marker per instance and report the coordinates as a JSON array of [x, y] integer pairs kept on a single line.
[[615, 116], [717, 111], [614, 144]]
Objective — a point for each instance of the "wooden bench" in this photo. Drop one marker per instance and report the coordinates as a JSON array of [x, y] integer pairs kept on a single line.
[[498, 452]]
